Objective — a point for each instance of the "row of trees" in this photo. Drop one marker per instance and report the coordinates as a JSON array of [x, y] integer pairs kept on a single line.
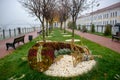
[[50, 10]]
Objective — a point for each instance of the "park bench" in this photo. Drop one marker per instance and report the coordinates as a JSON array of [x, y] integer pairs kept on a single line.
[[16, 40], [117, 36], [40, 32]]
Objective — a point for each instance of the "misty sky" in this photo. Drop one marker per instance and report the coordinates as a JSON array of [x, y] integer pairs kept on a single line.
[[11, 12]]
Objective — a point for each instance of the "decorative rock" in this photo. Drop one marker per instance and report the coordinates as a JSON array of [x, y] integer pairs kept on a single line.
[[75, 40], [65, 68], [66, 35]]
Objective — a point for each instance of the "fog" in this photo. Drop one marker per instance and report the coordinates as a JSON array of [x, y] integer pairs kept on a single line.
[[14, 14]]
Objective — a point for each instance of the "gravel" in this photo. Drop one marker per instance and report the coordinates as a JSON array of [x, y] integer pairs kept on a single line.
[[64, 67]]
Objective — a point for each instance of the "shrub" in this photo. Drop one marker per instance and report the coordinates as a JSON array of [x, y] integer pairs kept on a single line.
[[79, 28], [84, 28], [62, 52], [107, 30], [93, 28], [70, 25]]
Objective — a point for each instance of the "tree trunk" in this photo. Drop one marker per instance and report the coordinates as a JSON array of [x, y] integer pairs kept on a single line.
[[74, 24], [61, 25], [43, 29], [65, 27], [46, 28], [51, 27]]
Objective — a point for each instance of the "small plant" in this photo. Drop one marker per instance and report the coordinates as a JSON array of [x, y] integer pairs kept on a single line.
[[93, 28], [107, 31], [79, 27], [84, 28], [62, 52], [71, 26]]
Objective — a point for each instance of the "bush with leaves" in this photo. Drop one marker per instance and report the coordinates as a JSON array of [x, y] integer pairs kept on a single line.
[[79, 27], [107, 31], [62, 52], [70, 25], [84, 29], [93, 28]]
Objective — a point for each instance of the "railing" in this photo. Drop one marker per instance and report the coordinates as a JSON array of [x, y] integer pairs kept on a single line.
[[4, 34]]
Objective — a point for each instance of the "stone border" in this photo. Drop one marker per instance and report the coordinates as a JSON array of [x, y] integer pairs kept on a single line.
[[75, 40]]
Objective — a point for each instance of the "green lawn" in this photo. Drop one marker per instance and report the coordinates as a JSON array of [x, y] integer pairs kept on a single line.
[[15, 67]]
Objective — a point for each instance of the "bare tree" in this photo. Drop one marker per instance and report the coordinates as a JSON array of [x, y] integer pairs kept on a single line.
[[61, 17], [76, 6], [39, 9], [49, 13], [64, 12], [53, 15]]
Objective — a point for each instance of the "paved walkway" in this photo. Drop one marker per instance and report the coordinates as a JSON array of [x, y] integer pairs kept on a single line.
[[4, 52], [107, 42]]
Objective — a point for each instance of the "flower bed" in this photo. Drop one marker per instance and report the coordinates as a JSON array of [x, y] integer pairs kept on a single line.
[[43, 55]]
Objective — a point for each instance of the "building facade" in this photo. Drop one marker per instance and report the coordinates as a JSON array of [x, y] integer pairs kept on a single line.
[[104, 16]]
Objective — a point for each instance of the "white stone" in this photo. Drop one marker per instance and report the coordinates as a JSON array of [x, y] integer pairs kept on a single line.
[[64, 67], [75, 40], [67, 35]]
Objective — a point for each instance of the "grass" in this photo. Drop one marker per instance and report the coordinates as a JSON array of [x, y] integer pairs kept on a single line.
[[14, 67]]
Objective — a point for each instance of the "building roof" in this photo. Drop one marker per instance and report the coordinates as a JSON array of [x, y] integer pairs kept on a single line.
[[116, 5]]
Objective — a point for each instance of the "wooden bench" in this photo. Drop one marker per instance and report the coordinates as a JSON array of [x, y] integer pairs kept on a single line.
[[117, 36], [40, 32], [16, 40]]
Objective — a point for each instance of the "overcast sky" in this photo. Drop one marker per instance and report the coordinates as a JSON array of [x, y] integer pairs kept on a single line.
[[11, 12]]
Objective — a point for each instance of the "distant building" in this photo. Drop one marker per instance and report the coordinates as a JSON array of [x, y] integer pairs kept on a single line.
[[107, 15]]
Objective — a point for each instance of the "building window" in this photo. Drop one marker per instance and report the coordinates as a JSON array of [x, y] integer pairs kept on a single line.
[[111, 14], [110, 22], [115, 21], [107, 15], [116, 13]]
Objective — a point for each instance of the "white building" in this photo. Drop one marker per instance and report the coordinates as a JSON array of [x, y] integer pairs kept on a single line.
[[107, 15]]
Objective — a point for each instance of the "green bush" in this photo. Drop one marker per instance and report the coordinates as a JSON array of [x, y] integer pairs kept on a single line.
[[62, 52], [70, 25], [93, 28], [84, 29], [79, 27], [107, 31]]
